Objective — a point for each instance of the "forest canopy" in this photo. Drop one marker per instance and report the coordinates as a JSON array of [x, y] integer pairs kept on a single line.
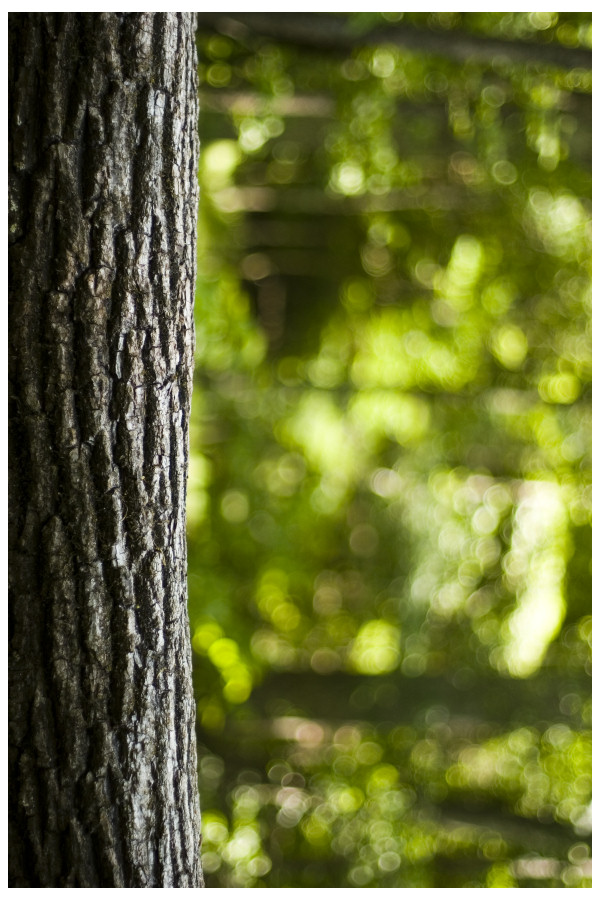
[[389, 507]]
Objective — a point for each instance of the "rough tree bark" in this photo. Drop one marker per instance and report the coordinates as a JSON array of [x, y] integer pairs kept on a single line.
[[103, 196]]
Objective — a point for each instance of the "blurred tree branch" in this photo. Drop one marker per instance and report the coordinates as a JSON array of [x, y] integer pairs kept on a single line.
[[336, 32]]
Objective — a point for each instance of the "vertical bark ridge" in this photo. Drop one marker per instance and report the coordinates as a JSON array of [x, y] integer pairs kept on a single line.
[[103, 198]]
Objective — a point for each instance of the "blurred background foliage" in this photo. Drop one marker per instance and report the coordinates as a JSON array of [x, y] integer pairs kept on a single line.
[[389, 498]]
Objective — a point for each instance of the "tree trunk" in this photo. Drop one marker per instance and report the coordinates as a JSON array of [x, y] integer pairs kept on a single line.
[[103, 197]]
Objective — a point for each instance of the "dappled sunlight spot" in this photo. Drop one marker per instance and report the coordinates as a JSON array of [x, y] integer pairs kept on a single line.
[[269, 597], [463, 272], [382, 778], [361, 875], [329, 496], [344, 765], [347, 799], [215, 834], [386, 483], [498, 296], [271, 591], [219, 162], [211, 715], [259, 866], [347, 178], [380, 414], [393, 354], [248, 798], [492, 845], [426, 272], [537, 619], [444, 368], [225, 655], [389, 861], [286, 616], [504, 172], [219, 74], [319, 427], [214, 827], [467, 168], [416, 343], [534, 868], [379, 829], [211, 862], [498, 497], [271, 648], [509, 346], [347, 735], [535, 568], [293, 803], [380, 361], [357, 295], [376, 648], [376, 261], [473, 767], [449, 598], [316, 831], [542, 776], [564, 387], [254, 132], [326, 371], [309, 733], [561, 221], [327, 599], [223, 652], [484, 520], [368, 753], [243, 844], [206, 634], [500, 875], [225, 331], [383, 62], [238, 685], [452, 538], [584, 629], [256, 266], [235, 506], [488, 552], [426, 756], [364, 540], [421, 846], [277, 769], [199, 478]]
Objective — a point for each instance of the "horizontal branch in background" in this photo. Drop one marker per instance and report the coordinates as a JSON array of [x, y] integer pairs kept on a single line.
[[310, 106], [323, 31], [314, 200]]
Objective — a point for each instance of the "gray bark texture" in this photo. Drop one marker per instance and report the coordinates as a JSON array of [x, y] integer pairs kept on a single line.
[[103, 200]]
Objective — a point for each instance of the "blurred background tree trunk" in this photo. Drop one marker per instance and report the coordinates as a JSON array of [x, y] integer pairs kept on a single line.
[[103, 199]]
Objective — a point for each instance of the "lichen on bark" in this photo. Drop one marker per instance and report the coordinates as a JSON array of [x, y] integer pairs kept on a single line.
[[103, 202]]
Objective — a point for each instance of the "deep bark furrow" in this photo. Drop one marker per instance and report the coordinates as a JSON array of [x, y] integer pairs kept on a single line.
[[103, 204]]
